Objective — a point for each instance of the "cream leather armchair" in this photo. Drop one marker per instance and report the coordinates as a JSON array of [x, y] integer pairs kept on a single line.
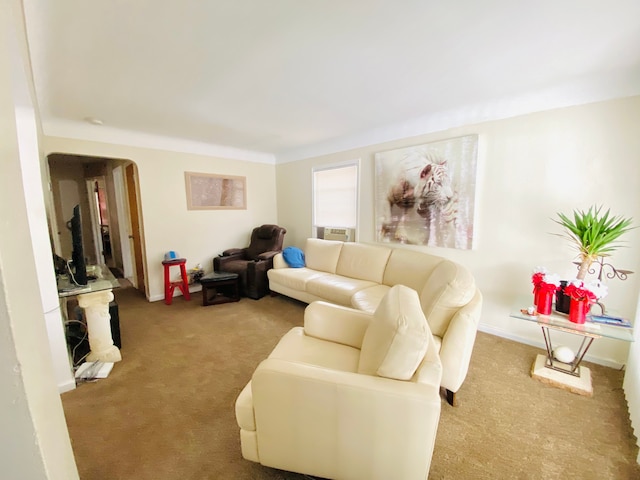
[[351, 395]]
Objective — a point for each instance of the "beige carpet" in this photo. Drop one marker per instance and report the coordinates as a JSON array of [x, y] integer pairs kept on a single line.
[[167, 410]]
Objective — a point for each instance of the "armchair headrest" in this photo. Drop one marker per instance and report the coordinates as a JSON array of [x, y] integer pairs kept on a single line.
[[266, 238], [267, 231]]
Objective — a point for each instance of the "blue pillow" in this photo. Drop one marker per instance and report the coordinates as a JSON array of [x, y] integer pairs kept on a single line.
[[294, 257]]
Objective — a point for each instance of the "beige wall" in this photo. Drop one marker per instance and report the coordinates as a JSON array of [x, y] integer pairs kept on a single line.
[[33, 433], [530, 167], [197, 235]]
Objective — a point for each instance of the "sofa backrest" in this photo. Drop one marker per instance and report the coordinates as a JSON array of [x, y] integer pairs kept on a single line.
[[410, 268], [443, 286], [449, 287], [364, 262], [322, 255]]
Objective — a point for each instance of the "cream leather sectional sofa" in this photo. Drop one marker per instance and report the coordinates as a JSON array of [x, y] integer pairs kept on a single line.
[[358, 275]]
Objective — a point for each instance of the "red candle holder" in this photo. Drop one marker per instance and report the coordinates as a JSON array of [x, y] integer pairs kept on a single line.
[[578, 310], [544, 299]]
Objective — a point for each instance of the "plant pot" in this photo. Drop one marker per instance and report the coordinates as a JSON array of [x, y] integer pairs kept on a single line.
[[563, 301], [544, 300], [578, 310]]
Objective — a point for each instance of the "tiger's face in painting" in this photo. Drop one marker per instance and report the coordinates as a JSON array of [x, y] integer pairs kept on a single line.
[[434, 186]]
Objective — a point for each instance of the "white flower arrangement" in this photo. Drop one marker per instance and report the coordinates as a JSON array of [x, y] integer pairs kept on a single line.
[[579, 290]]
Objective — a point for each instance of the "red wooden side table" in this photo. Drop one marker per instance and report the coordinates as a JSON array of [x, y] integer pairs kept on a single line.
[[170, 286]]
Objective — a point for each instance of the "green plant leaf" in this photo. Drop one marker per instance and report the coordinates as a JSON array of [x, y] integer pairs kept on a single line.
[[593, 233]]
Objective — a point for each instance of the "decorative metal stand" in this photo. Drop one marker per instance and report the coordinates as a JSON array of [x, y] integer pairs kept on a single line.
[[614, 273], [609, 272]]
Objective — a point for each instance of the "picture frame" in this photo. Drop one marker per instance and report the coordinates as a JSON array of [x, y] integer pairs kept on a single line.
[[209, 191], [425, 194]]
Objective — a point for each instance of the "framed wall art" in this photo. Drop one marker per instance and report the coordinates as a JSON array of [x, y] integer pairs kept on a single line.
[[425, 195], [206, 191]]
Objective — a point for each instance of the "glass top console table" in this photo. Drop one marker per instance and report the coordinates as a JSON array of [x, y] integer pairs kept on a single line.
[[94, 299], [569, 375]]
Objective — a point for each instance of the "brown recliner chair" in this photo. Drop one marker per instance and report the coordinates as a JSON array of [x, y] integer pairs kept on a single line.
[[251, 263]]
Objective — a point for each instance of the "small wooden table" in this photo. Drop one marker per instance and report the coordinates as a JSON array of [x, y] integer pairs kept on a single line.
[[219, 287]]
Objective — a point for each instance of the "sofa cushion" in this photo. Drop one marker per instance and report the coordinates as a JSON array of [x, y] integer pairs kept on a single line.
[[322, 255], [294, 278], [397, 338], [336, 288], [364, 262], [294, 257], [296, 346], [368, 299]]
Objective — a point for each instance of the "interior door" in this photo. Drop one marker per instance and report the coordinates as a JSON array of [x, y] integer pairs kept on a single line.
[[95, 221], [122, 209], [130, 173]]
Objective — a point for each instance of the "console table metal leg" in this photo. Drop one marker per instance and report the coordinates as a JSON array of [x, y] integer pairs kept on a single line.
[[547, 341], [575, 365], [581, 353]]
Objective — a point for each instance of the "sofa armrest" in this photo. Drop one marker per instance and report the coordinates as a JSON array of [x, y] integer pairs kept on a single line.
[[230, 255], [234, 252], [267, 255], [278, 261], [457, 343], [430, 369], [336, 323], [303, 411], [289, 372]]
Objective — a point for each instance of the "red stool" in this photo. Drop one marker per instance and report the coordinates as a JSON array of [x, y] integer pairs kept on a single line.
[[170, 286]]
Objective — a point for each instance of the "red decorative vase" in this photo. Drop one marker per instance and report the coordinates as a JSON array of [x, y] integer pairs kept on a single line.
[[544, 299], [578, 310], [536, 289]]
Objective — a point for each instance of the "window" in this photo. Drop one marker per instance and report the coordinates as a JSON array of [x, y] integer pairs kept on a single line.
[[335, 196]]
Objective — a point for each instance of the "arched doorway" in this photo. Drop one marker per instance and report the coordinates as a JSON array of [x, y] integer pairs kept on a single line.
[[108, 194]]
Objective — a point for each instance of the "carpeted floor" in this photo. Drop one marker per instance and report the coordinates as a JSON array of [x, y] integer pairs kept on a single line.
[[167, 410]]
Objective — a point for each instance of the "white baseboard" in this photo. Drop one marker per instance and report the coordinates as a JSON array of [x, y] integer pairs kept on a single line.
[[491, 330], [66, 386], [196, 287]]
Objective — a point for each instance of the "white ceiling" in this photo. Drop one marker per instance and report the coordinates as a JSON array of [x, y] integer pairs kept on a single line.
[[291, 78]]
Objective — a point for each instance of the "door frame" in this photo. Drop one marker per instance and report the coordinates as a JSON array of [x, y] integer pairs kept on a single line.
[[131, 176]]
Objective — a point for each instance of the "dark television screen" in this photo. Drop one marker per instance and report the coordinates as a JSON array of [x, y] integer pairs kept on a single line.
[[79, 268]]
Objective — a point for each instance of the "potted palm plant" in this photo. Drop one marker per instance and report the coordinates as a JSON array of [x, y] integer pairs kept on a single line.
[[593, 233]]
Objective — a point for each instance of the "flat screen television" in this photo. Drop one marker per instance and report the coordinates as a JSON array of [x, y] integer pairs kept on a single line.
[[78, 270]]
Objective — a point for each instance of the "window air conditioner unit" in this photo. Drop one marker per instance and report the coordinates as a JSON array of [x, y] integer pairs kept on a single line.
[[336, 233]]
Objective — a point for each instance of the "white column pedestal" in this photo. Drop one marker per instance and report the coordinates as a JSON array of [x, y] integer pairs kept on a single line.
[[96, 308]]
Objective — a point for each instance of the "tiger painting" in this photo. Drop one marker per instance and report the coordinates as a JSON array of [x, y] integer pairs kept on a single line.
[[425, 194], [422, 204], [437, 203]]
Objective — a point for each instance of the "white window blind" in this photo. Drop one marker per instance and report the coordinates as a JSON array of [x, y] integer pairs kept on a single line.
[[335, 196]]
